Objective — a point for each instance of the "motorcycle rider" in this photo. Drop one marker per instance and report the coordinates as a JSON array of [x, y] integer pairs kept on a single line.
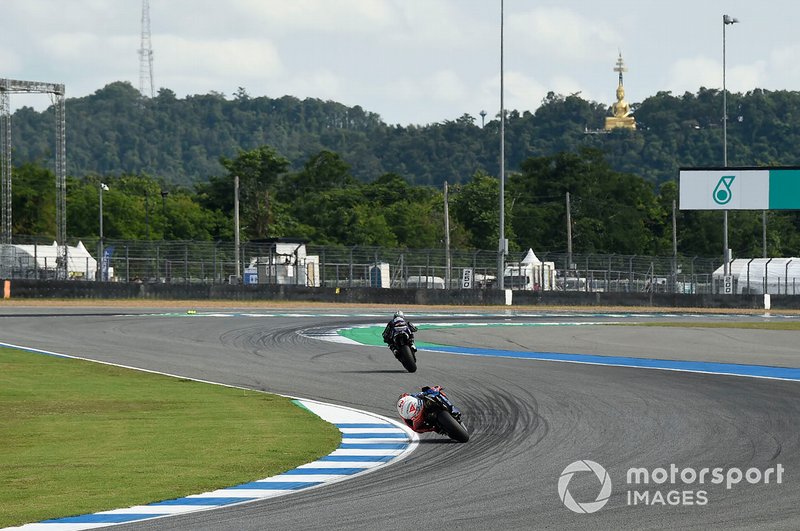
[[398, 320], [411, 408]]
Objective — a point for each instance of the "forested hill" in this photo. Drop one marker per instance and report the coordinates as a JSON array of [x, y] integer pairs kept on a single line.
[[116, 131]]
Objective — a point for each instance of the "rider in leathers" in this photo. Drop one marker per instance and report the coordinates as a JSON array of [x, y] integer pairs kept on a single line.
[[398, 320], [411, 408]]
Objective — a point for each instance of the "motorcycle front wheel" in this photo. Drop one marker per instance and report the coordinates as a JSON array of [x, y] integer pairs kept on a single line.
[[453, 428]]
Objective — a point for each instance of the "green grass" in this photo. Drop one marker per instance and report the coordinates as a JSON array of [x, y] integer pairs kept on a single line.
[[766, 325], [78, 437]]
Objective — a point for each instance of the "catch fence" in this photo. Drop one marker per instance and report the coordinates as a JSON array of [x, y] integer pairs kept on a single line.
[[360, 266]]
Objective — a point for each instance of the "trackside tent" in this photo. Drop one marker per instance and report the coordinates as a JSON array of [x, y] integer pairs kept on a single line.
[[27, 259], [776, 276], [530, 258]]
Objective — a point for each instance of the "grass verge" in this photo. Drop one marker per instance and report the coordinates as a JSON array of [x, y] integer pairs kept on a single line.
[[78, 437]]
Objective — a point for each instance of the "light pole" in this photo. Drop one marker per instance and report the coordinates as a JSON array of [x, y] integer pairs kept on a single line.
[[725, 21], [164, 194], [101, 269], [146, 214], [501, 250]]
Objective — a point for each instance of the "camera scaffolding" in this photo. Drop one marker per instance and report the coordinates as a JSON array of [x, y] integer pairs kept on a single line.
[[14, 86]]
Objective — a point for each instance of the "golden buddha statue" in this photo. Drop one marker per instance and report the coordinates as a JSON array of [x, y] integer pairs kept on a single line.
[[621, 109]]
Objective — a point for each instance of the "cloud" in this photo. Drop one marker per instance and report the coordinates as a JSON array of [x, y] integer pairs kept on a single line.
[[9, 61], [784, 67], [563, 34], [521, 92], [228, 59], [446, 85], [322, 84], [687, 75]]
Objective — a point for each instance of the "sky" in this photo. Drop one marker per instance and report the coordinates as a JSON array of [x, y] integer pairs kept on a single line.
[[410, 61]]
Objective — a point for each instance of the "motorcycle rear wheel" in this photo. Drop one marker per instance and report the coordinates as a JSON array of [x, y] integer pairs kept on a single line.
[[453, 428], [407, 358]]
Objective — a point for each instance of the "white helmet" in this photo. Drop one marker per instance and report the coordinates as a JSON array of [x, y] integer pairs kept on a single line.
[[399, 313], [409, 407]]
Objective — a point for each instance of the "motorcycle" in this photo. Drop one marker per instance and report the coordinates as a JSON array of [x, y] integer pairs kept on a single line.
[[401, 347], [442, 415]]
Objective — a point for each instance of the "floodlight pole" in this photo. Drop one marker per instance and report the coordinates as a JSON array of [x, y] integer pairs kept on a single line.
[[501, 250], [725, 257], [100, 268]]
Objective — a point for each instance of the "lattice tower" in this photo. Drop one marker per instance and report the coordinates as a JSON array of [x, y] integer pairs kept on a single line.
[[146, 85], [9, 86]]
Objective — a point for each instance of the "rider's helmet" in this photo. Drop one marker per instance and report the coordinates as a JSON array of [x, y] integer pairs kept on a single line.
[[409, 407], [399, 313]]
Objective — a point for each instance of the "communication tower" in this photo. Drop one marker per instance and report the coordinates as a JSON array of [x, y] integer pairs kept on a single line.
[[146, 85]]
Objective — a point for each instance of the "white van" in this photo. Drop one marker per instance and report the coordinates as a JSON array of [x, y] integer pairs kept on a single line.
[[429, 282]]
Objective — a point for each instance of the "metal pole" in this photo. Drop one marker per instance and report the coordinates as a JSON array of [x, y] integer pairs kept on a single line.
[[725, 257], [502, 244], [100, 241], [446, 237], [236, 223], [764, 232], [674, 244], [569, 234], [146, 214]]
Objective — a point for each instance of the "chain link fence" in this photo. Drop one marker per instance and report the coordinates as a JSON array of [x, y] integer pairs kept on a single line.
[[340, 266]]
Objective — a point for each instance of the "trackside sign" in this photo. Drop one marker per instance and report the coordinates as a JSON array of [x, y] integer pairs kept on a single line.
[[740, 189]]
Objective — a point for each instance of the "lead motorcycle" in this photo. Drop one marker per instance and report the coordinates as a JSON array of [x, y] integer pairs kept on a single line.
[[401, 347], [442, 415]]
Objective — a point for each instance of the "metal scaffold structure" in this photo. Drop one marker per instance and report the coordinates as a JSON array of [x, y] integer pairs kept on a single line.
[[14, 86], [146, 85]]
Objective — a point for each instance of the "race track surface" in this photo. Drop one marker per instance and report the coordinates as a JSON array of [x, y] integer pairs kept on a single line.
[[529, 419]]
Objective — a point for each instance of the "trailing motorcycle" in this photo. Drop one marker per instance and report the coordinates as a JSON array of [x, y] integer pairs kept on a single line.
[[442, 415], [401, 347]]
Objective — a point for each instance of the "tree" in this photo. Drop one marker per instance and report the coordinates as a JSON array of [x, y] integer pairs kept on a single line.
[[476, 206], [259, 171]]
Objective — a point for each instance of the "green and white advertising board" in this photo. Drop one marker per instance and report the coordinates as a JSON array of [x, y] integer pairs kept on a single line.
[[740, 189]]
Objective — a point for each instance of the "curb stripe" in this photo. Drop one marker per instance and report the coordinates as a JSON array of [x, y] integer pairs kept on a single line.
[[396, 435], [100, 518], [354, 458], [275, 485], [350, 459], [362, 425], [311, 471], [706, 367], [372, 446]]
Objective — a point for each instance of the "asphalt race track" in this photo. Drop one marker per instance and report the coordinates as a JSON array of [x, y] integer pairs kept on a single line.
[[528, 419]]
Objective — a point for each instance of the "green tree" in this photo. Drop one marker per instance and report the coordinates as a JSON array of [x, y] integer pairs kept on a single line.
[[476, 206], [33, 204], [259, 171]]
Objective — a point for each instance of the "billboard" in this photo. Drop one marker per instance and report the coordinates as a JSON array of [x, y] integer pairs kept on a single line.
[[740, 189]]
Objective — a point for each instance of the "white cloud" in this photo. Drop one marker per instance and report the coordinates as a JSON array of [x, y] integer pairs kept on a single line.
[[784, 62], [9, 61], [222, 59], [687, 75], [563, 34], [322, 84], [446, 85], [411, 61], [521, 92]]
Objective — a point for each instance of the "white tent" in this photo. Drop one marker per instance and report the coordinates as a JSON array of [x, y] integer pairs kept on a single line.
[[530, 258], [80, 264], [764, 275]]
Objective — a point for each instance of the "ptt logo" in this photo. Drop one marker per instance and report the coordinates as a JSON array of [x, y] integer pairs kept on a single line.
[[722, 194]]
